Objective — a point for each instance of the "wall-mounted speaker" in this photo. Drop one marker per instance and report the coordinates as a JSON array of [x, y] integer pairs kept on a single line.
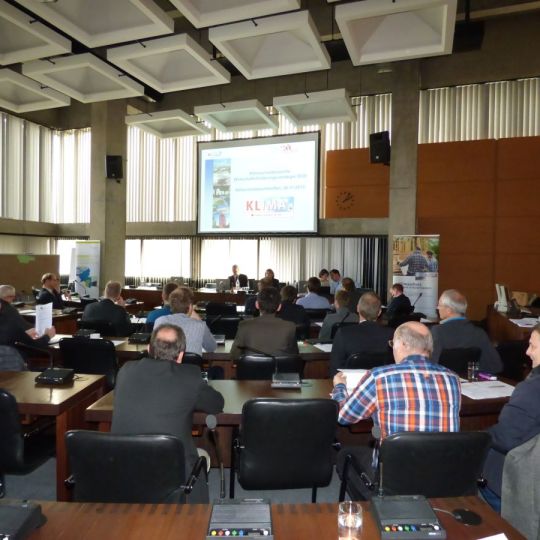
[[114, 167], [379, 147]]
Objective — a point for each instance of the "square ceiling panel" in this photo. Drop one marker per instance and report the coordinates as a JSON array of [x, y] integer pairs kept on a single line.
[[384, 31], [272, 46], [21, 94], [102, 22], [23, 38], [167, 124], [237, 116], [83, 77], [203, 13], [170, 64], [316, 107]]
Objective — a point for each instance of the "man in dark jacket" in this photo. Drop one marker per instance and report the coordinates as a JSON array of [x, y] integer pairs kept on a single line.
[[50, 291], [159, 395]]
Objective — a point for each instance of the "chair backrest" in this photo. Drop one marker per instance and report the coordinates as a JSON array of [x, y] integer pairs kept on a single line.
[[433, 464], [458, 359], [398, 320], [226, 309], [287, 443], [125, 468], [516, 363], [317, 314], [193, 358], [97, 356], [257, 367], [86, 301], [337, 326], [369, 360], [104, 328], [11, 359], [11, 440], [228, 326]]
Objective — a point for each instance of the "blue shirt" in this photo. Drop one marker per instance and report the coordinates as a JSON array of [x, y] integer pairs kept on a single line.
[[156, 313]]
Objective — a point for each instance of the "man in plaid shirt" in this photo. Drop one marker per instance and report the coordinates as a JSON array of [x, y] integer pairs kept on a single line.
[[412, 395]]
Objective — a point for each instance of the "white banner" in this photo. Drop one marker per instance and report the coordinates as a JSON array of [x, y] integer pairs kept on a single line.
[[86, 268], [415, 265]]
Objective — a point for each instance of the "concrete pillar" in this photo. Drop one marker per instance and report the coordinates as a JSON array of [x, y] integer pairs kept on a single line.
[[108, 196], [404, 157]]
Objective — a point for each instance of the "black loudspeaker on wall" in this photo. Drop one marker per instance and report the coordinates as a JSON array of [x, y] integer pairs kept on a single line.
[[379, 147], [114, 167]]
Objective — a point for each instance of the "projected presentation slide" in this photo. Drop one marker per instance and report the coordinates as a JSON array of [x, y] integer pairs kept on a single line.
[[259, 185]]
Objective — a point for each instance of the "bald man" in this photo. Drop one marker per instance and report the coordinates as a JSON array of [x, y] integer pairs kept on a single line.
[[411, 395]]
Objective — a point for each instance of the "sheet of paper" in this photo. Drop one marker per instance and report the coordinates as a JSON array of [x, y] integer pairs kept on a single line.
[[486, 389], [325, 347], [353, 377], [43, 318], [138, 320], [500, 536], [526, 322], [58, 337], [118, 342], [27, 311]]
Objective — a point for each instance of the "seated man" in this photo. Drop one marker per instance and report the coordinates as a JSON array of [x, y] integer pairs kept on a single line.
[[159, 395], [400, 305], [335, 281], [313, 300], [50, 291], [349, 285], [269, 273], [198, 335], [289, 311], [237, 280], [411, 395], [166, 308], [519, 419], [110, 309], [342, 315], [7, 296], [456, 332], [267, 333], [367, 336], [250, 307]]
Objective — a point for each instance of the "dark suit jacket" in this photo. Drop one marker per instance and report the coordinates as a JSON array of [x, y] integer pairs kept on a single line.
[[242, 278], [519, 421], [461, 333], [158, 396], [13, 314], [12, 331], [294, 313], [267, 334], [367, 336], [46, 297], [398, 306], [106, 310]]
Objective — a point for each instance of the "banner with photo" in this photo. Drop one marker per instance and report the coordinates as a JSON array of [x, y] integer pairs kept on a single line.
[[85, 261], [415, 264]]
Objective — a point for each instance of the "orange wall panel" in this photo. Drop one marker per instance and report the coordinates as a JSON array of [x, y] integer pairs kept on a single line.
[[350, 168], [364, 201], [518, 158], [457, 162], [518, 198]]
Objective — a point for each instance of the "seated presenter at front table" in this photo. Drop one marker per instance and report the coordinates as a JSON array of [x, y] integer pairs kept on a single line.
[[237, 280]]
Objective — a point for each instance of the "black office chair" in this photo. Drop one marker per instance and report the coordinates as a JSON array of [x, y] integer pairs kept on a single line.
[[21, 449], [369, 360], [317, 314], [225, 309], [458, 359], [95, 356], [418, 463], [337, 326], [399, 319], [516, 363], [228, 326], [193, 358], [285, 444], [259, 367], [104, 328], [128, 468], [87, 301]]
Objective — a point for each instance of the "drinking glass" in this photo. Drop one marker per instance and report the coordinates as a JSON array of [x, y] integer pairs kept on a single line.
[[349, 520]]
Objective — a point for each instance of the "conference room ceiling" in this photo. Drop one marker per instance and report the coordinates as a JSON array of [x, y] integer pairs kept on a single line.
[[97, 50]]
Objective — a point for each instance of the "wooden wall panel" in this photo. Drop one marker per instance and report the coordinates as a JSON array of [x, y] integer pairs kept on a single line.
[[349, 171], [518, 198], [518, 272], [518, 158], [457, 162]]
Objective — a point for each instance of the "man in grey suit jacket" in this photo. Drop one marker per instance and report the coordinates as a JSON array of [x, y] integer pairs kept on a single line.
[[267, 333], [110, 309], [367, 336], [342, 315], [456, 332], [159, 395]]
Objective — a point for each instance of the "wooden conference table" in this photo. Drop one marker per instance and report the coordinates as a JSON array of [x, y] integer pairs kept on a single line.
[[88, 521], [475, 414], [67, 403]]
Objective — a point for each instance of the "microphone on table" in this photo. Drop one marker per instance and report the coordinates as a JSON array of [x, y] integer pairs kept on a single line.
[[211, 423]]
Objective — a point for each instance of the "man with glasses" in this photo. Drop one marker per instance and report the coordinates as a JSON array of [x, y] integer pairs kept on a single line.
[[50, 291], [411, 395]]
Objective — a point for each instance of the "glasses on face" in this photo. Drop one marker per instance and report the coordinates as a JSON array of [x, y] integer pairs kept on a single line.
[[391, 343]]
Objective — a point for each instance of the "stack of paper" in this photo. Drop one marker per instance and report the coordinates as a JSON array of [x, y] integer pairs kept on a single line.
[[486, 389], [353, 377]]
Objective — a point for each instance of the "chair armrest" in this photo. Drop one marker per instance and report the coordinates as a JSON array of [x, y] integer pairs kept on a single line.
[[350, 462], [200, 465]]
